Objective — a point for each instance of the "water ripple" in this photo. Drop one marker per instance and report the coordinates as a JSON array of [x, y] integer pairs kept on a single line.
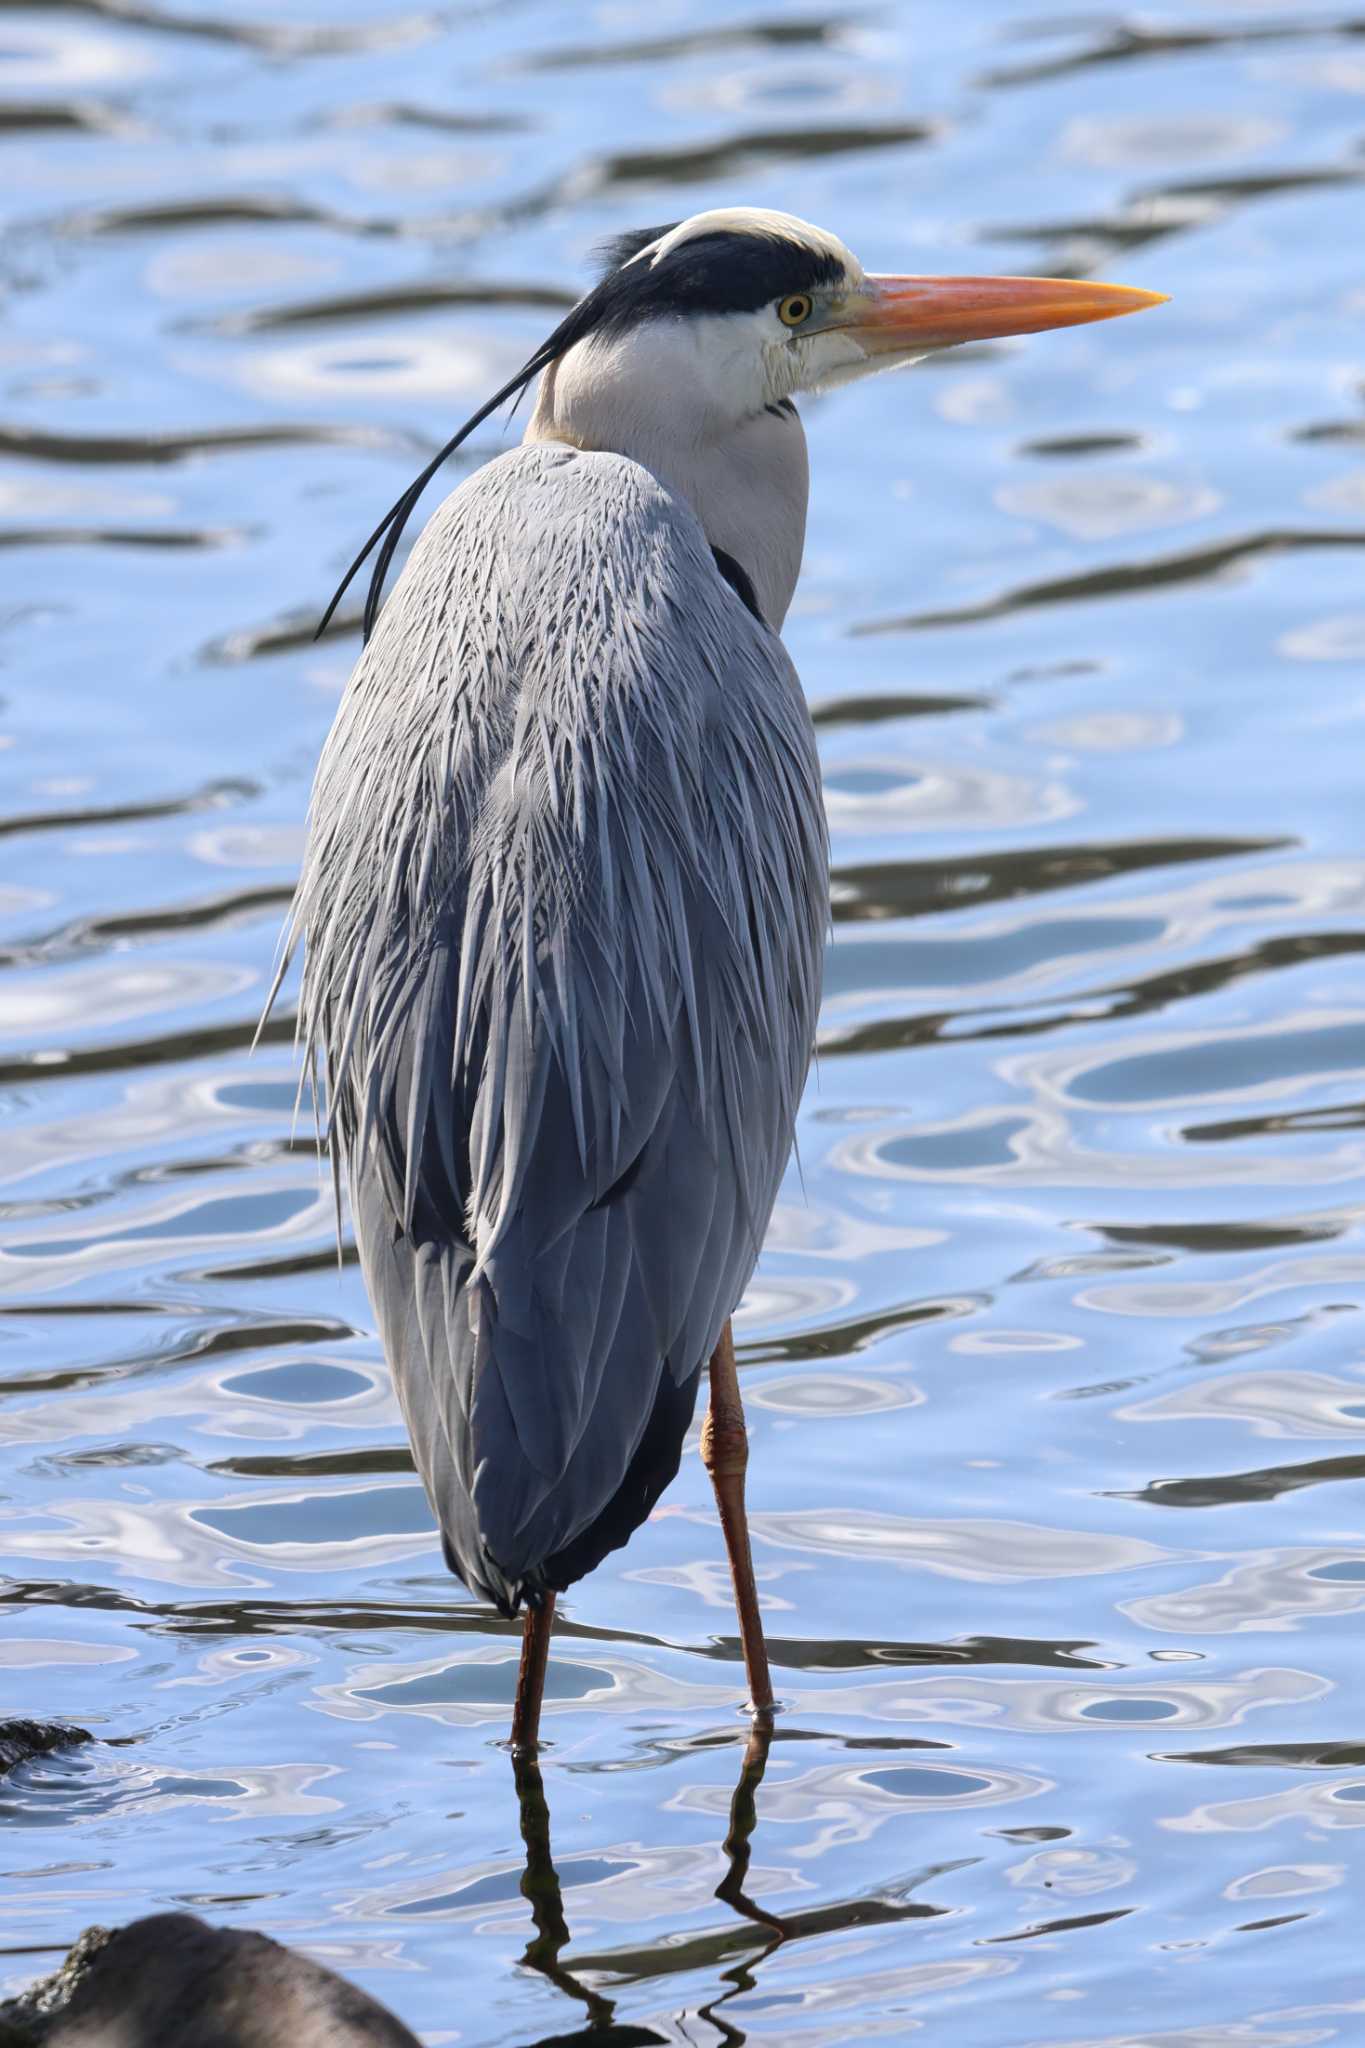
[[1125, 579], [1053, 1355]]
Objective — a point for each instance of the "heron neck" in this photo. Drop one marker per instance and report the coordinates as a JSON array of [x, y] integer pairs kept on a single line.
[[747, 481]]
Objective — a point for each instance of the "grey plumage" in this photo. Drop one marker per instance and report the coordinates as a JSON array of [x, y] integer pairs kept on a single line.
[[564, 903], [565, 892]]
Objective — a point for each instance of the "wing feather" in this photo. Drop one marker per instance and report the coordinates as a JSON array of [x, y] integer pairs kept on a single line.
[[564, 906]]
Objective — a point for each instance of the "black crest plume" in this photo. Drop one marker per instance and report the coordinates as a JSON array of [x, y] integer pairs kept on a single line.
[[591, 312]]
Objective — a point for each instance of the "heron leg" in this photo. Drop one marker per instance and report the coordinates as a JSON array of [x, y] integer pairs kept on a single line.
[[725, 1454], [535, 1654]]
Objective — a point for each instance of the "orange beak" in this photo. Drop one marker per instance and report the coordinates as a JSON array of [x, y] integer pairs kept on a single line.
[[909, 313]]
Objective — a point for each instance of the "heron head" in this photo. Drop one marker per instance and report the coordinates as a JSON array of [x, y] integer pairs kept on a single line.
[[738, 309], [702, 327]]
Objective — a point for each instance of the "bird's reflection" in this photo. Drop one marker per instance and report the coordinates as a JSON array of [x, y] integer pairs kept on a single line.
[[738, 1849], [738, 1954], [540, 1888]]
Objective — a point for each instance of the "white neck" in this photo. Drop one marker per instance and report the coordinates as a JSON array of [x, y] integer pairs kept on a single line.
[[668, 398]]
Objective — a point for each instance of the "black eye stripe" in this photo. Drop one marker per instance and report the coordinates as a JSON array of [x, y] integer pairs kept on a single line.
[[720, 273]]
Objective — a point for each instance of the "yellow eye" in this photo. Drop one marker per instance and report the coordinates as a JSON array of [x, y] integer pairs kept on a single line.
[[792, 311]]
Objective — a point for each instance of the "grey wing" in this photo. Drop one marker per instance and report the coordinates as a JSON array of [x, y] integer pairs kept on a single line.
[[588, 996]]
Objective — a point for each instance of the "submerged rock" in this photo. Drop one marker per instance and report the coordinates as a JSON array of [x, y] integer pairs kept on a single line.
[[171, 1981], [19, 1740]]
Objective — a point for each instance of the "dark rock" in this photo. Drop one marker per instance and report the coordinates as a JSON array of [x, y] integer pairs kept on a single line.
[[25, 2022], [19, 1740], [172, 1982]]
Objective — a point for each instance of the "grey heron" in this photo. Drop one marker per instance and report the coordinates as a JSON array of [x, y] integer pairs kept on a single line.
[[565, 894]]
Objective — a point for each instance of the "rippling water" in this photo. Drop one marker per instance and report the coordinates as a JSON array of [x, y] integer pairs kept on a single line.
[[1054, 1361]]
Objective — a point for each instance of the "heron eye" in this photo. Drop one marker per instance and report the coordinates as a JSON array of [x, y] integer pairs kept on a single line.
[[793, 310]]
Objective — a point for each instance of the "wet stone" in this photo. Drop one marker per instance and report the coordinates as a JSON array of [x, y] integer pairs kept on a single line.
[[20, 1740], [172, 1978]]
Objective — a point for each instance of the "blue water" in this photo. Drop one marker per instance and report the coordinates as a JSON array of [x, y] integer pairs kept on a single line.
[[1055, 1361]]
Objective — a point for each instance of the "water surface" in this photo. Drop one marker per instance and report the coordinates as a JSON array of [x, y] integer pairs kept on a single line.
[[1054, 1359]]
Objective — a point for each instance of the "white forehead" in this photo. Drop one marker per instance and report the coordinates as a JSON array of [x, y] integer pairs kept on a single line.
[[752, 220]]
